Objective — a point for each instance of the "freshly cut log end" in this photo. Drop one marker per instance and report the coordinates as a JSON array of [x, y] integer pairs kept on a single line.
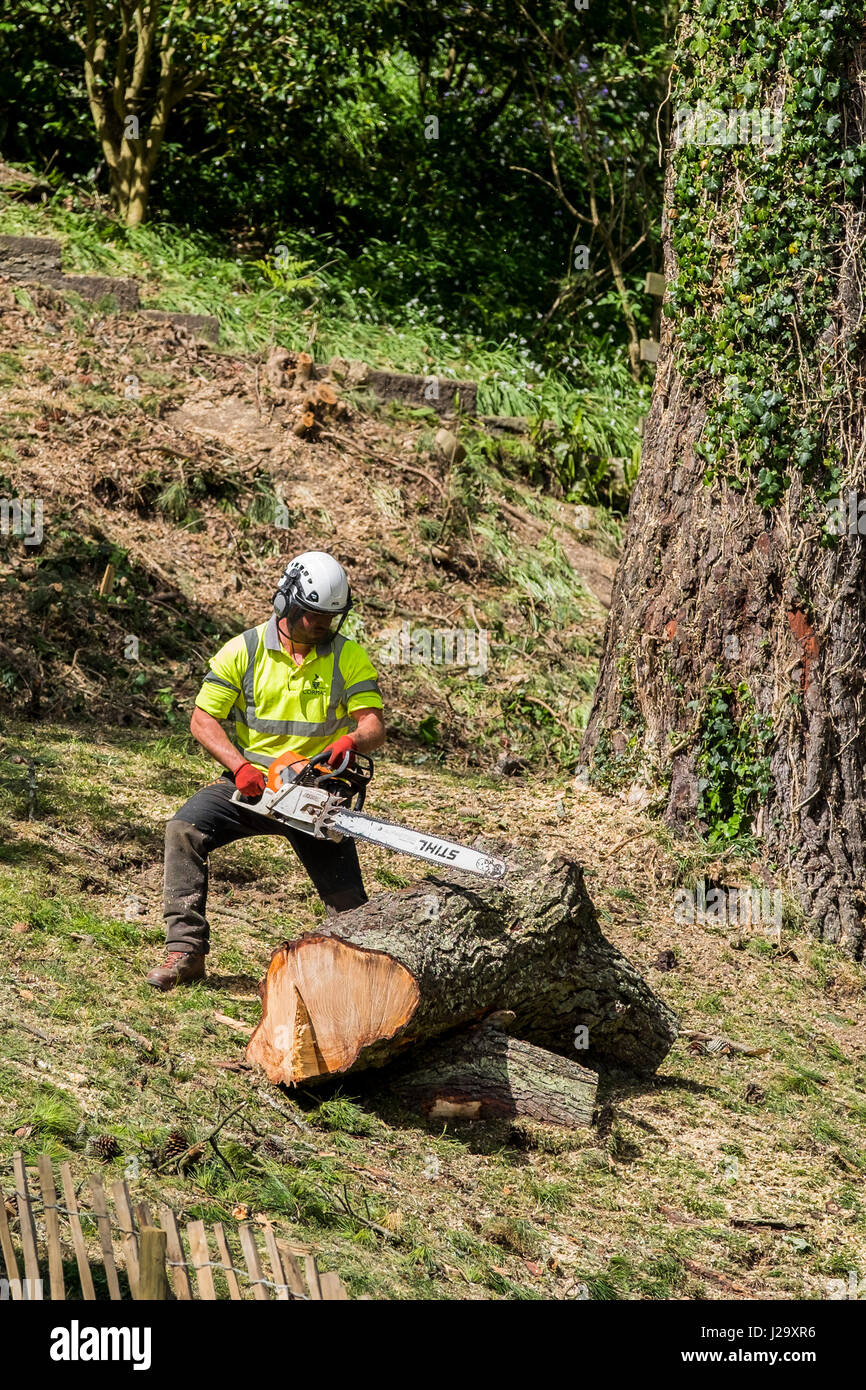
[[324, 1001]]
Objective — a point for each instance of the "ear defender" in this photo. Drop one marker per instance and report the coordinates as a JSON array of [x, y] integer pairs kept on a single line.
[[281, 597]]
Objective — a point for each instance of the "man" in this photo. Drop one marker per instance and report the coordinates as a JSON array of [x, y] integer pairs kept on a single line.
[[292, 683]]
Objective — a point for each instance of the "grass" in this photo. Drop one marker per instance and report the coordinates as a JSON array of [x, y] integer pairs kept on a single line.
[[473, 1211], [317, 303]]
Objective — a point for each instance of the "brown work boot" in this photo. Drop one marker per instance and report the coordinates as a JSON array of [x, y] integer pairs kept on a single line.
[[178, 968]]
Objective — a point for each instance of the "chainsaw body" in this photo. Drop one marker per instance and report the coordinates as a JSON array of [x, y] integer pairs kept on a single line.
[[326, 802], [306, 795]]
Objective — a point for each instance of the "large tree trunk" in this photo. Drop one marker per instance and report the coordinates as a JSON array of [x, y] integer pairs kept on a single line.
[[409, 966], [733, 615]]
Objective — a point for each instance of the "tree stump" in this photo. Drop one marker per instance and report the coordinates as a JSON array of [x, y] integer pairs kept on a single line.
[[304, 422], [410, 966]]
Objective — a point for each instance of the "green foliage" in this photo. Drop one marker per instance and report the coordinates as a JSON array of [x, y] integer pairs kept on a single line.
[[286, 276], [174, 499], [343, 1115], [596, 425], [733, 762], [628, 711], [54, 1119], [428, 730], [403, 240], [612, 769], [757, 233]]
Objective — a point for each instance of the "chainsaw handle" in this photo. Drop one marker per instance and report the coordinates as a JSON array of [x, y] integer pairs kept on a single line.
[[319, 760], [355, 778]]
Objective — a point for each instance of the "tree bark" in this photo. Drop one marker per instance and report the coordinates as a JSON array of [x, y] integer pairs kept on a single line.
[[717, 590], [409, 966], [130, 142], [483, 1074]]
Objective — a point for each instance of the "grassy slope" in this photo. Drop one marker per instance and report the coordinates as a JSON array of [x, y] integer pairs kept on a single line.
[[309, 305], [643, 1204]]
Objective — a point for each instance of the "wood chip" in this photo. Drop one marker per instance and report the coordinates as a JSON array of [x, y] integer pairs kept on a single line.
[[234, 1023]]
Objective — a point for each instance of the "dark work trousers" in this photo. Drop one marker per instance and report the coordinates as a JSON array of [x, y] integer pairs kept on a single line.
[[209, 820]]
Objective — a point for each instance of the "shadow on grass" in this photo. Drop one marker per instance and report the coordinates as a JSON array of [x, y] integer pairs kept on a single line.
[[615, 1085], [24, 852], [371, 1090], [246, 984]]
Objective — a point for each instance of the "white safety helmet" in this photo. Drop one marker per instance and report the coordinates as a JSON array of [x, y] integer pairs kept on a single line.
[[314, 583]]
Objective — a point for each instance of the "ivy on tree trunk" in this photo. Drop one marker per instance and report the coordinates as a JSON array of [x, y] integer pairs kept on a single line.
[[731, 683]]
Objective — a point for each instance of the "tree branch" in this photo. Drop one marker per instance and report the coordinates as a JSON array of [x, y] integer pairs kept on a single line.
[[119, 84], [146, 26]]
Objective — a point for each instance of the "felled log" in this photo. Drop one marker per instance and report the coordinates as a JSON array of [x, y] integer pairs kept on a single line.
[[409, 966], [483, 1074]]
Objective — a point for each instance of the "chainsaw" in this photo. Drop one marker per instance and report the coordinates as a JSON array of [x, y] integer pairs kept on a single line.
[[327, 805]]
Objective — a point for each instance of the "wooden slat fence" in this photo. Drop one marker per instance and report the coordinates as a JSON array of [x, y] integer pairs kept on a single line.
[[192, 1262]]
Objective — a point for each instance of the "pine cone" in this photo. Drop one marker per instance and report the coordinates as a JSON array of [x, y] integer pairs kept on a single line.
[[274, 1148], [175, 1145], [103, 1146]]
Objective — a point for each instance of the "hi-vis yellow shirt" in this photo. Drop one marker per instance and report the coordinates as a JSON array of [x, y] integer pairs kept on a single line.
[[278, 706]]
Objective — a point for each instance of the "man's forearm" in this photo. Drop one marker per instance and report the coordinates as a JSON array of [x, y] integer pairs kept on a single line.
[[206, 730], [212, 736], [369, 734]]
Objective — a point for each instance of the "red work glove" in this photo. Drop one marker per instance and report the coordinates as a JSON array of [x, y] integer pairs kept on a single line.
[[334, 754], [249, 780]]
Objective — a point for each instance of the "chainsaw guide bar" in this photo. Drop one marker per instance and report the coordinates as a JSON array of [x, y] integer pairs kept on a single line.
[[320, 805], [418, 844]]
